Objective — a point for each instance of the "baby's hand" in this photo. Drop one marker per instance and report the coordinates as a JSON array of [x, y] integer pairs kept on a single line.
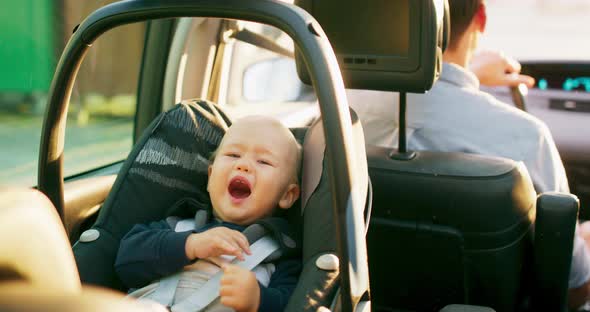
[[239, 289], [215, 242]]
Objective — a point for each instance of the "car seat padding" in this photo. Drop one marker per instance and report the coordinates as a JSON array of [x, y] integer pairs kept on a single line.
[[313, 154], [167, 163]]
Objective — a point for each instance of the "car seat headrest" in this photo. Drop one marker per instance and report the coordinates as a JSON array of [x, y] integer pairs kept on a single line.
[[392, 46]]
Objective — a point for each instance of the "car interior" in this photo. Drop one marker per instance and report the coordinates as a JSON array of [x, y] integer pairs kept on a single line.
[[94, 249], [413, 231], [560, 98], [481, 235]]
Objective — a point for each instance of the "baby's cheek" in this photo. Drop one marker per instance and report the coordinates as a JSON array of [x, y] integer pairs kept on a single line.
[[215, 187]]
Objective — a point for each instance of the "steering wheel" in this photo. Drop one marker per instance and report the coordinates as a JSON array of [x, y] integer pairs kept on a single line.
[[518, 94]]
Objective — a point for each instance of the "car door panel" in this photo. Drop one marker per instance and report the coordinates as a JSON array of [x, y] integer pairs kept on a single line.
[[83, 198]]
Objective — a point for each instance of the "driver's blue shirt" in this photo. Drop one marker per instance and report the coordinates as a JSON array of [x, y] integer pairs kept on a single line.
[[455, 116]]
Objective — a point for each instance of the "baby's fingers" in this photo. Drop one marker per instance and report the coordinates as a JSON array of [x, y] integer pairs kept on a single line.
[[237, 239], [228, 297], [242, 241], [228, 247]]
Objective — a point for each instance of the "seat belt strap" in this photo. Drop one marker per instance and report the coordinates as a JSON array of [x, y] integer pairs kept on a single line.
[[166, 289], [261, 41], [261, 249]]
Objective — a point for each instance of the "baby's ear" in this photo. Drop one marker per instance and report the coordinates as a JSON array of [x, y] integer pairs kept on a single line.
[[209, 169], [290, 196]]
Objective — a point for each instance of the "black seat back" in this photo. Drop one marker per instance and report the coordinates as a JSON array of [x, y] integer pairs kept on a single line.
[[449, 228]]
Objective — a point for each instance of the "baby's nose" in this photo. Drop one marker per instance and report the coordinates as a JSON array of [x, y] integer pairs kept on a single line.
[[243, 166]]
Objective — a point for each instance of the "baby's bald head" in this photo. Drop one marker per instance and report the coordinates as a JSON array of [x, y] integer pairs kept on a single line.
[[270, 130], [254, 171]]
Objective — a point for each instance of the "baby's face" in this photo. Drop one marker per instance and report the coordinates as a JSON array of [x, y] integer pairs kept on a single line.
[[253, 171]]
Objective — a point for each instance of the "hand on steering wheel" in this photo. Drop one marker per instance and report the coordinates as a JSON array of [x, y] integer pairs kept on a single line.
[[494, 68]]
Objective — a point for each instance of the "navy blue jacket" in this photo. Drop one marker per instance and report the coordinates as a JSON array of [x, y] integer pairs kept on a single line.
[[149, 252]]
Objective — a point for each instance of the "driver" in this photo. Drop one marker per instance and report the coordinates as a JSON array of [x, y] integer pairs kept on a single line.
[[455, 116]]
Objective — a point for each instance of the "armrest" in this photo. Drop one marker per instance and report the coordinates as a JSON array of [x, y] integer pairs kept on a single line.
[[554, 232]]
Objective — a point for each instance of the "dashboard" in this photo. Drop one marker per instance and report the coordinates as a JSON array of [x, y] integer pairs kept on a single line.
[[566, 86], [559, 76]]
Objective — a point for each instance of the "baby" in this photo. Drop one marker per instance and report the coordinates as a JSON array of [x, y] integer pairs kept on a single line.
[[253, 172]]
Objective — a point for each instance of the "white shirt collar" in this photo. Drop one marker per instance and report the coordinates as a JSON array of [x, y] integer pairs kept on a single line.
[[457, 75]]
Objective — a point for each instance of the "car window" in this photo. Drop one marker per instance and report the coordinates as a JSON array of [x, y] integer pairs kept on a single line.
[[99, 128], [254, 80], [274, 79], [102, 107], [538, 29], [264, 82]]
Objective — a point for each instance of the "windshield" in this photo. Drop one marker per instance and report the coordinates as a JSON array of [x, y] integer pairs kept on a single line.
[[539, 29]]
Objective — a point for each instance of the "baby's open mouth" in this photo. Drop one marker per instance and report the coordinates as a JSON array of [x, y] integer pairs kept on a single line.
[[239, 188]]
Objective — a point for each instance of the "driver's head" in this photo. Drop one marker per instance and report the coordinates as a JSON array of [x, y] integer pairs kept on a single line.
[[254, 170], [468, 19]]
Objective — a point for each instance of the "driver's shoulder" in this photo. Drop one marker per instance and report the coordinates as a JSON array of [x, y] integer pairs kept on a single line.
[[508, 116]]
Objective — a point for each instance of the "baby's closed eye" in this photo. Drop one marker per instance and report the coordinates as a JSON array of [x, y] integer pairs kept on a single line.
[[265, 162], [232, 155]]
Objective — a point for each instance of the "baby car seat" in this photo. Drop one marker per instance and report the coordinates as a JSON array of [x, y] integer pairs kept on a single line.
[[169, 162]]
